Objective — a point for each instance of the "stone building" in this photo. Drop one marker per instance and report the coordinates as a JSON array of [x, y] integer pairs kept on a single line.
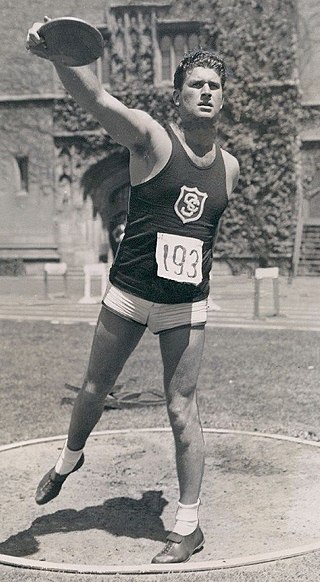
[[64, 183], [308, 235]]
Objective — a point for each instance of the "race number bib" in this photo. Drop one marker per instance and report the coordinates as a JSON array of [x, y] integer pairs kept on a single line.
[[179, 258]]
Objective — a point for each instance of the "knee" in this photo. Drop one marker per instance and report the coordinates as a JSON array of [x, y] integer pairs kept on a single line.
[[91, 388], [184, 418], [96, 386], [99, 381]]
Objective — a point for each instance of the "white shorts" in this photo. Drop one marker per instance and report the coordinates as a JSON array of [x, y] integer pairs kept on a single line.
[[156, 316]]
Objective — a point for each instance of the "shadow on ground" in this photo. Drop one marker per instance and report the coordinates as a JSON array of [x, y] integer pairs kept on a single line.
[[120, 516]]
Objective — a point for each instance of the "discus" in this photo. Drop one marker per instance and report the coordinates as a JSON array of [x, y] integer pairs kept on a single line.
[[69, 41]]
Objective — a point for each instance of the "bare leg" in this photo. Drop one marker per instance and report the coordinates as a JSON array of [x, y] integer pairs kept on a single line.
[[181, 350], [114, 340]]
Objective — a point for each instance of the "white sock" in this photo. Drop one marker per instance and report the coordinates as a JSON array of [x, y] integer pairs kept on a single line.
[[67, 460], [187, 518]]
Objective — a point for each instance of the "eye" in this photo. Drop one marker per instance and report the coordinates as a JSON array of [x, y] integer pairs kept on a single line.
[[214, 86]]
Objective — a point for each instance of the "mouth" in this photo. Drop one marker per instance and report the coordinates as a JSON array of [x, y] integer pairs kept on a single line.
[[205, 105]]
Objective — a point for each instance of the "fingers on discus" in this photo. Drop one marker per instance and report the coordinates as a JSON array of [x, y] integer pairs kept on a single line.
[[33, 38]]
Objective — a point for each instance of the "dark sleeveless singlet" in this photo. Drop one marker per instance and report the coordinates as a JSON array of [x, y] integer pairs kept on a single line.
[[172, 222]]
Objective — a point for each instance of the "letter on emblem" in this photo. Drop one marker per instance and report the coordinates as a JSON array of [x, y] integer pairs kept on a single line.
[[190, 204]]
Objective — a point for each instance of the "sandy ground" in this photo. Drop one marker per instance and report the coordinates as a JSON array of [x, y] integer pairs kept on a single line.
[[259, 495]]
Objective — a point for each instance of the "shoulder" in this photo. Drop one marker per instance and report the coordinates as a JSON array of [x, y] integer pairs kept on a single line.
[[155, 133], [232, 168], [149, 155], [149, 123], [157, 139], [230, 161]]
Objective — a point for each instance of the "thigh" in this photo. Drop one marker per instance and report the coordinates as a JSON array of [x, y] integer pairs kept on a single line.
[[181, 350], [114, 340]]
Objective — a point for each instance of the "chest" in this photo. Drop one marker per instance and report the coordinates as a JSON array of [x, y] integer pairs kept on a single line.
[[187, 191]]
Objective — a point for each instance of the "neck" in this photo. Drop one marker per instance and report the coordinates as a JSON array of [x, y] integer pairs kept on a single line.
[[200, 139]]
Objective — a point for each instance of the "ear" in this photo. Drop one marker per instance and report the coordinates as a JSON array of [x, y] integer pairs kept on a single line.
[[176, 97]]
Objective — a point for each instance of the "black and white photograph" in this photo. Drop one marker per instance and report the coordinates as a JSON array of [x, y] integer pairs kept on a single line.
[[160, 291]]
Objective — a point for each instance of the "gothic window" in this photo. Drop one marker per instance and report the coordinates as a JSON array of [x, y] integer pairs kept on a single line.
[[23, 174], [311, 182], [174, 40], [314, 206]]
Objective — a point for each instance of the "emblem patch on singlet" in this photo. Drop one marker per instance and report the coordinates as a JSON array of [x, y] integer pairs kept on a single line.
[[190, 204]]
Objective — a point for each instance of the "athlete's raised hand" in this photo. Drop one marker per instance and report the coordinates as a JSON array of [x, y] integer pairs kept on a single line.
[[33, 37]]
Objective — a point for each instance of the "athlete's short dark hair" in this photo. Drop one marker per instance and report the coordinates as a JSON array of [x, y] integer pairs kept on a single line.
[[199, 58]]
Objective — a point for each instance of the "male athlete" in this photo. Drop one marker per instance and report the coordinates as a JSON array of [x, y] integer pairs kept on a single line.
[[180, 184]]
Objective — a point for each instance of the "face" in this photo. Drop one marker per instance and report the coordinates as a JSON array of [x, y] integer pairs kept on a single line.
[[201, 95]]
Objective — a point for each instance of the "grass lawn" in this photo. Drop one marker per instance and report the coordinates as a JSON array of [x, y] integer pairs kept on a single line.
[[251, 380]]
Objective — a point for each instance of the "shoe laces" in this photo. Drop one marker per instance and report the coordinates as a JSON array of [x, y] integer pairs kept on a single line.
[[48, 484], [167, 547]]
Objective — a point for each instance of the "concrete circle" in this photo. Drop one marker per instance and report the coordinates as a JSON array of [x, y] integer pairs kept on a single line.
[[259, 502]]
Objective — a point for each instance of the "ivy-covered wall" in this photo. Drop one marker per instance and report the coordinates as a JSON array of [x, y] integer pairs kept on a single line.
[[260, 126], [260, 119]]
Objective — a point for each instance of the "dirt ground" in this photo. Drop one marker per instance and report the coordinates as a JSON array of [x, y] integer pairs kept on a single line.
[[259, 496]]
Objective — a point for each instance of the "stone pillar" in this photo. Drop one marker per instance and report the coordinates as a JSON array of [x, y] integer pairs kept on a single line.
[[79, 233]]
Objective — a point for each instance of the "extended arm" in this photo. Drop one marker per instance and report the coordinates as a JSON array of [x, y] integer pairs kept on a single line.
[[129, 127]]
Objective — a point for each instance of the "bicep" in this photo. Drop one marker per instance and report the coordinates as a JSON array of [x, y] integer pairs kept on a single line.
[[128, 127]]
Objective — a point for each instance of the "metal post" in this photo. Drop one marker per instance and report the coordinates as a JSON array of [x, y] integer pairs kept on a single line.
[[266, 273], [256, 298], [46, 290], [276, 298]]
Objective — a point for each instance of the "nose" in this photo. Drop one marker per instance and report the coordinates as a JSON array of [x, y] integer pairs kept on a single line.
[[206, 89]]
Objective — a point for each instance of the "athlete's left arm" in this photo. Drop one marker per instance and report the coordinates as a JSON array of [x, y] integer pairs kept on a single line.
[[232, 171]]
